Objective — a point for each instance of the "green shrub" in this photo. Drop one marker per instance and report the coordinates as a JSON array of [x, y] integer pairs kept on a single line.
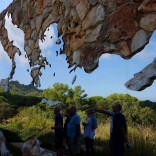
[[31, 121], [2, 99], [6, 111], [19, 100]]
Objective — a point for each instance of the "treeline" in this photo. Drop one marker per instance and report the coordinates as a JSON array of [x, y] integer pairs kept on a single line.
[[137, 112]]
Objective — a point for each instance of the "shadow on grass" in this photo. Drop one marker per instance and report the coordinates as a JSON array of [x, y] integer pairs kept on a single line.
[[19, 100], [15, 151], [47, 141], [11, 136]]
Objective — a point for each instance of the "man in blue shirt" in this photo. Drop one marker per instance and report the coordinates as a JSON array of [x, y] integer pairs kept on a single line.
[[73, 133]]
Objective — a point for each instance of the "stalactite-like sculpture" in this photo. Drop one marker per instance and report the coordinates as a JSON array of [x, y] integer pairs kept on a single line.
[[90, 28]]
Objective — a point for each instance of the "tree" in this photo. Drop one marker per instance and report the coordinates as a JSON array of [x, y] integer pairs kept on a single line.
[[67, 96], [78, 95], [135, 111], [132, 109], [96, 101]]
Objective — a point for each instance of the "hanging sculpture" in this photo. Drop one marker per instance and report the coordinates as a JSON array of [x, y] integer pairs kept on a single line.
[[90, 28]]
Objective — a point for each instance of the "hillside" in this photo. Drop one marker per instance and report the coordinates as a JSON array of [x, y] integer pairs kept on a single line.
[[21, 89]]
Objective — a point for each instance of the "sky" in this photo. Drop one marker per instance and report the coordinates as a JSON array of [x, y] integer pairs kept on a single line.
[[111, 75]]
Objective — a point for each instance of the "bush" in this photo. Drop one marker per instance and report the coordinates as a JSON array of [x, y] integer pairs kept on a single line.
[[2, 99], [6, 111], [31, 121], [18, 100]]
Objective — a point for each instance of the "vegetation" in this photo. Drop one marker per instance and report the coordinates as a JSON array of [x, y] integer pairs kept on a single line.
[[21, 89], [20, 100], [37, 120], [30, 121], [19, 122], [67, 96], [142, 138], [135, 111], [6, 110]]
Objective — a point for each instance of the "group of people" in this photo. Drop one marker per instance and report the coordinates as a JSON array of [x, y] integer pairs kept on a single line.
[[71, 133]]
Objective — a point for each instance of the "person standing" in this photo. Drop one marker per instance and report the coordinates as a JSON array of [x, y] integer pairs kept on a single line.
[[89, 132], [58, 127], [67, 120], [73, 133], [118, 129]]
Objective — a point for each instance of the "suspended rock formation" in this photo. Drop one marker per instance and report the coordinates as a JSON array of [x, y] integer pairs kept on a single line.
[[90, 28]]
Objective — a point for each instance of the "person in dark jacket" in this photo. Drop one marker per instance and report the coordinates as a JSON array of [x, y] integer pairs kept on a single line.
[[58, 127], [118, 129]]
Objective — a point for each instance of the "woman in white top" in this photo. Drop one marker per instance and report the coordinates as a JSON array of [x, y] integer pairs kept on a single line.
[[89, 132]]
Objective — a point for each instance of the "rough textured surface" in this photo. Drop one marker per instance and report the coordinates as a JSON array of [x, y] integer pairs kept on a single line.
[[144, 78], [32, 147], [139, 40], [90, 28], [148, 22]]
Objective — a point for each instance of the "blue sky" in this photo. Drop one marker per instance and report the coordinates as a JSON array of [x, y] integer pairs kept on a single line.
[[111, 75]]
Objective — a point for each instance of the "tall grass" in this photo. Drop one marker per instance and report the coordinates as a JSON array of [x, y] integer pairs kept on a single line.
[[142, 138]]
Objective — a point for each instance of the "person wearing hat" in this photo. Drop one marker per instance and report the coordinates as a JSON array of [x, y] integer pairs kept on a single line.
[[58, 127]]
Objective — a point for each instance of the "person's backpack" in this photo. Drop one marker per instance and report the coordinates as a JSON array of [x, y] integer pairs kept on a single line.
[[94, 122]]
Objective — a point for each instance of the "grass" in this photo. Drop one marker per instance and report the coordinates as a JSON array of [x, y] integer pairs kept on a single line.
[[143, 140]]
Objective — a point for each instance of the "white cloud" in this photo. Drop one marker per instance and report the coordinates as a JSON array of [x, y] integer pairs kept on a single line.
[[21, 60], [49, 53], [106, 56], [5, 63], [146, 54], [15, 34], [149, 52], [3, 55]]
